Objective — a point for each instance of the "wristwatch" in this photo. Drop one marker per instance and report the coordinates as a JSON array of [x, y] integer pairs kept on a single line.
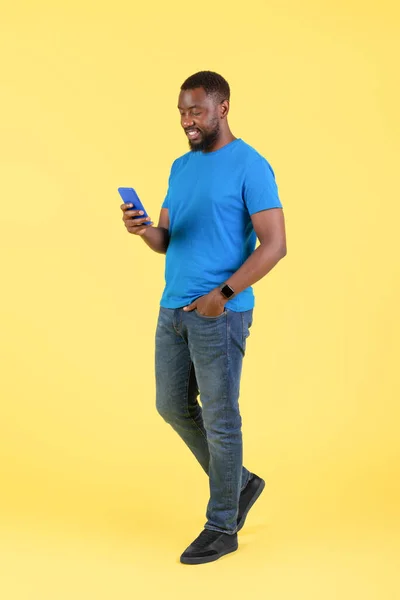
[[227, 291]]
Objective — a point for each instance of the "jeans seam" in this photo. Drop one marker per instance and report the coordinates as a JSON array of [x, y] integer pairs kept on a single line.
[[227, 387], [191, 366]]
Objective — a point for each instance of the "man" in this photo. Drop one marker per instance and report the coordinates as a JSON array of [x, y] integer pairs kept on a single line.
[[221, 196]]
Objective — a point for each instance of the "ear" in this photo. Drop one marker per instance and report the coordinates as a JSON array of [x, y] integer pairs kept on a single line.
[[224, 109]]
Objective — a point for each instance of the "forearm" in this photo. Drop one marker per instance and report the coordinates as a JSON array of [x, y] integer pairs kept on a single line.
[[157, 238], [259, 263]]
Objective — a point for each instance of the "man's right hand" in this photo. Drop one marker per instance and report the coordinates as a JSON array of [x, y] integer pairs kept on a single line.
[[133, 225]]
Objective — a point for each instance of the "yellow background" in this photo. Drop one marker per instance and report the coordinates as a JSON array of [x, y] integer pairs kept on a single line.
[[99, 496]]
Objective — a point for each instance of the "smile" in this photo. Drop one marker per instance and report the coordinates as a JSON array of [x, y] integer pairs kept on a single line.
[[192, 133]]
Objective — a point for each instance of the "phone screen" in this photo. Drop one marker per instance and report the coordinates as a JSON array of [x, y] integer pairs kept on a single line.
[[129, 196]]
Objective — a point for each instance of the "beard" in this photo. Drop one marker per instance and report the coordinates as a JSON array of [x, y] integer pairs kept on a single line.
[[207, 141]]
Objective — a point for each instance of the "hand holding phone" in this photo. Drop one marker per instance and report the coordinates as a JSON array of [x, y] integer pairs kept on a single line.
[[134, 221]]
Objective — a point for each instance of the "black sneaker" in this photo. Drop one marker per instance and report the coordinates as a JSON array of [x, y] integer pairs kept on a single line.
[[248, 496], [208, 546]]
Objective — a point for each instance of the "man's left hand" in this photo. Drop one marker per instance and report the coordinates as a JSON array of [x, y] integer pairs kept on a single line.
[[210, 305]]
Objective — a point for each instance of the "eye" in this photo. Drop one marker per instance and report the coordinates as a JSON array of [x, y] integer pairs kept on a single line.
[[196, 114]]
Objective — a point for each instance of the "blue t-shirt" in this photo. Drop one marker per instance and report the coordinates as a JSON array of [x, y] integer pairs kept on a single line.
[[210, 198]]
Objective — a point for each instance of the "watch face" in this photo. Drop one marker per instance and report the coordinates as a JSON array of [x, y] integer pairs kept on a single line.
[[227, 291]]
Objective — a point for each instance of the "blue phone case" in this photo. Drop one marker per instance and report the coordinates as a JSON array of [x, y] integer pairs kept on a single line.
[[129, 196]]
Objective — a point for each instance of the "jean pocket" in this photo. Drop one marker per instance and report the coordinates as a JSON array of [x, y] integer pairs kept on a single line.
[[208, 317]]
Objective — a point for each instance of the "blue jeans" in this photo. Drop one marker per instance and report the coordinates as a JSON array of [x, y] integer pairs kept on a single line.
[[198, 354]]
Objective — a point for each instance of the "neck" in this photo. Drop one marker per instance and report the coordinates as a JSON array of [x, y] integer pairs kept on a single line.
[[225, 138]]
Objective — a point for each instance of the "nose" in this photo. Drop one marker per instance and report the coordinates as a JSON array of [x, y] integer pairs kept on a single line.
[[187, 122]]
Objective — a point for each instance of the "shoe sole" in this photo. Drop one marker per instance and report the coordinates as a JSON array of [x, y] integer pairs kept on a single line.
[[207, 559], [254, 498]]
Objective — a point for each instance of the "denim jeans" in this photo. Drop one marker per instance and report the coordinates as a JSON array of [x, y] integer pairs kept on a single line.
[[198, 354]]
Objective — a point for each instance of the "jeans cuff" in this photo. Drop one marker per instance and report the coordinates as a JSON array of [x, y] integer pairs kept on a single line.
[[220, 530]]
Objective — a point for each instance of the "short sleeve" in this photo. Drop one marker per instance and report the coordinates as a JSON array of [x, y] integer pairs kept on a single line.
[[260, 191], [165, 204]]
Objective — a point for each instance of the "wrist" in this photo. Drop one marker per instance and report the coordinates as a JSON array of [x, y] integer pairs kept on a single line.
[[216, 293], [226, 291]]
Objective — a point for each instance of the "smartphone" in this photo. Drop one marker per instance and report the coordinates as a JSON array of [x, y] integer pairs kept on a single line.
[[129, 196]]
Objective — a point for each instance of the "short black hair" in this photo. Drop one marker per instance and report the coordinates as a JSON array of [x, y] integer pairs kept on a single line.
[[213, 84]]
